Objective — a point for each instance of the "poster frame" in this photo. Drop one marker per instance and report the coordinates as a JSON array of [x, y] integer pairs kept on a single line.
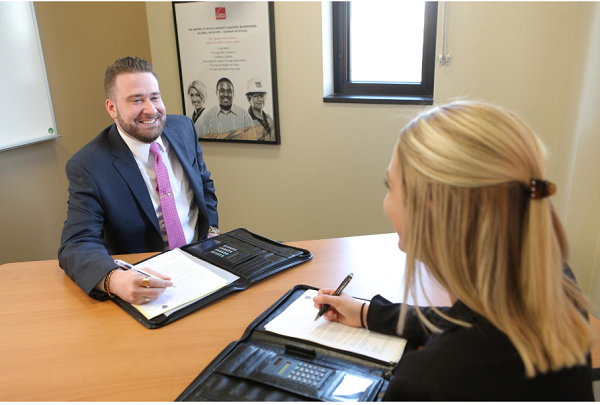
[[238, 95]]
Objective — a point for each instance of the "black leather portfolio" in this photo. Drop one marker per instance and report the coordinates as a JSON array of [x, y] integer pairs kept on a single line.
[[242, 256], [262, 366]]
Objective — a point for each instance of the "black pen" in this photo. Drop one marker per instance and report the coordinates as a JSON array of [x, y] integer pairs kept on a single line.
[[337, 292]]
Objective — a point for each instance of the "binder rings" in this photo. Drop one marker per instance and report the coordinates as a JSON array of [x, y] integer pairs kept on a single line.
[[245, 256], [259, 366]]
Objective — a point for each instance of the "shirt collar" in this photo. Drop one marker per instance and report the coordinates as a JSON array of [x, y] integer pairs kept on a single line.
[[140, 150], [254, 116], [227, 112]]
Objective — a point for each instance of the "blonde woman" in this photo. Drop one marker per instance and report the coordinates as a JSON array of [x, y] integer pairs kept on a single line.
[[197, 94], [468, 198]]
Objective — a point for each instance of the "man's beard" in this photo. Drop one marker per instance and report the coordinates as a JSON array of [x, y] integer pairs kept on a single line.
[[226, 107], [148, 136]]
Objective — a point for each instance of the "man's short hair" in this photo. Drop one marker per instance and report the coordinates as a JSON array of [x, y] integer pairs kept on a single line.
[[128, 64], [224, 79]]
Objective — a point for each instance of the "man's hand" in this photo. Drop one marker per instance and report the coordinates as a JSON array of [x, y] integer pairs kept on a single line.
[[128, 286]]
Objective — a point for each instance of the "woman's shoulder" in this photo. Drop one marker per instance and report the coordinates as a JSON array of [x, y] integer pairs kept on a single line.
[[480, 363]]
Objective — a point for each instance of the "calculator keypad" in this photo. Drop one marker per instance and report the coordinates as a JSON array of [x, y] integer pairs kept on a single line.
[[230, 254], [299, 372], [307, 374], [223, 250]]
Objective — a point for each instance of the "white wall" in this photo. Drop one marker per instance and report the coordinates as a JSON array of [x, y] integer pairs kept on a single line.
[[326, 178]]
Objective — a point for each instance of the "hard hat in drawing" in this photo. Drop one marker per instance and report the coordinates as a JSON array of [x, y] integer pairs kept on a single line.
[[255, 85]]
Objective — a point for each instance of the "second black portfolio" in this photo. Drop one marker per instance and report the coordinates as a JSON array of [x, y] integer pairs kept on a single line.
[[285, 355]]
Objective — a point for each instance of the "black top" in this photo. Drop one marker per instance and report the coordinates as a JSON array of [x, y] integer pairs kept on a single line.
[[477, 363]]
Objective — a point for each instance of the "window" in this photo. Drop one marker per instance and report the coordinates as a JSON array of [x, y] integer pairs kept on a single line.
[[384, 53]]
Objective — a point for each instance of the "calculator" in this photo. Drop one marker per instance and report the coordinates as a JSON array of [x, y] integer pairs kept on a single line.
[[229, 253], [296, 371]]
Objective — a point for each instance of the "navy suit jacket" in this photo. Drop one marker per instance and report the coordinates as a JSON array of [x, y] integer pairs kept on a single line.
[[110, 211]]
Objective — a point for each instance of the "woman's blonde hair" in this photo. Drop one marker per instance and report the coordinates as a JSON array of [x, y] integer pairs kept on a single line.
[[466, 169]]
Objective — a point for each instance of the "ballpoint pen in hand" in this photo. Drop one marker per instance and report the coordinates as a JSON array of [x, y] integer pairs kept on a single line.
[[337, 292], [126, 266]]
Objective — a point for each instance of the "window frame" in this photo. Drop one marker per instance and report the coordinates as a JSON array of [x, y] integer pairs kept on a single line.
[[380, 93]]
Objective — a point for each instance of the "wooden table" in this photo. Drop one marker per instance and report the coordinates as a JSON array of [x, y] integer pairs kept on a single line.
[[57, 344]]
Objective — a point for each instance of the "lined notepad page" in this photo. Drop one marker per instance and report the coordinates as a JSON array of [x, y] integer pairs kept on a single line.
[[298, 321]]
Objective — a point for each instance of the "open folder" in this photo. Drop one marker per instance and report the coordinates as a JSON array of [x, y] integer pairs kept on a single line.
[[285, 355], [207, 270], [297, 321]]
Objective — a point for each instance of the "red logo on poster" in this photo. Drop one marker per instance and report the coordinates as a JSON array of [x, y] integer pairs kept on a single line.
[[220, 13]]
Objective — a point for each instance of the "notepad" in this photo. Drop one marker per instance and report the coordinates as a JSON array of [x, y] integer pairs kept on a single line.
[[297, 321], [193, 280]]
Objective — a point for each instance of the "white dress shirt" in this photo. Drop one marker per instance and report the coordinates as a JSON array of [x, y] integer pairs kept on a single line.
[[187, 207]]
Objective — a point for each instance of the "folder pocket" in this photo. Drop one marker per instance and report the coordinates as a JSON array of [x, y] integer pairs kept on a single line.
[[238, 358], [252, 265], [243, 375], [244, 359], [223, 387], [232, 379]]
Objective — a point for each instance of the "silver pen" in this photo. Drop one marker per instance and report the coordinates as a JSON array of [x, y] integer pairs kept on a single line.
[[126, 266]]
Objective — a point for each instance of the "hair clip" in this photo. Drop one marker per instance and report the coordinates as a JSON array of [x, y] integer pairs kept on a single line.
[[541, 189]]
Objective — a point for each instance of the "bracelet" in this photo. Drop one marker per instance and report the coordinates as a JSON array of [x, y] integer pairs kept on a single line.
[[107, 283], [361, 314]]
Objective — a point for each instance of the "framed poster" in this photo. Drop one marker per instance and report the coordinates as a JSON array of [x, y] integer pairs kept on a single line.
[[227, 68]]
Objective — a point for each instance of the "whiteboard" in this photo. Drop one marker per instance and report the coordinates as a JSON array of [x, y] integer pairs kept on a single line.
[[25, 105]]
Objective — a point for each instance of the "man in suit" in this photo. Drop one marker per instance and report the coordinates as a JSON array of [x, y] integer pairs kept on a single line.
[[114, 204]]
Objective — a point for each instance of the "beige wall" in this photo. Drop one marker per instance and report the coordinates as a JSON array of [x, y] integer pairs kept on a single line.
[[583, 208], [326, 178], [78, 40], [319, 182], [539, 65]]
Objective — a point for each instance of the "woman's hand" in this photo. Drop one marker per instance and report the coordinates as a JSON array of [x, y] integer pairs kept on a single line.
[[343, 308]]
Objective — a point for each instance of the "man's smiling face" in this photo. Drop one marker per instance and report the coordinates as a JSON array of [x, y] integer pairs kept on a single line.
[[225, 95], [137, 107]]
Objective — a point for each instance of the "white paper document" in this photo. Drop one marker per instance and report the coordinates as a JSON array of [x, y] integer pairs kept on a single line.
[[191, 281], [298, 321]]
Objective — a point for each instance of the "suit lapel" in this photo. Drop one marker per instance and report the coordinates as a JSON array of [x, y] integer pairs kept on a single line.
[[130, 172]]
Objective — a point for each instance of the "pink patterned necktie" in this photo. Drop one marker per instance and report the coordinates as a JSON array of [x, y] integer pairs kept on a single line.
[[175, 234]]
